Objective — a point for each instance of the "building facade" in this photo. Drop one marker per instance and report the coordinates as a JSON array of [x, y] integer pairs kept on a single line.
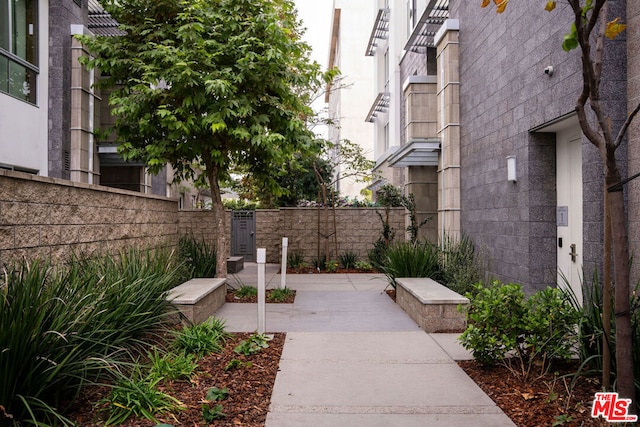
[[49, 108], [479, 109], [347, 98]]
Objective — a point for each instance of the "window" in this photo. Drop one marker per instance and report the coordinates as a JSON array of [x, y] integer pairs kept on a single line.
[[19, 48]]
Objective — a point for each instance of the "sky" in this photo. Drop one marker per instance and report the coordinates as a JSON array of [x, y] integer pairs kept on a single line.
[[316, 17]]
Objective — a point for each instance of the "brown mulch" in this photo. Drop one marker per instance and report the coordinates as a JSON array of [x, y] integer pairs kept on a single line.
[[538, 401], [249, 390], [232, 297]]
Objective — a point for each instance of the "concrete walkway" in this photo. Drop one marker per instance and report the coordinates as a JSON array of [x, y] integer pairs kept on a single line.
[[352, 357]]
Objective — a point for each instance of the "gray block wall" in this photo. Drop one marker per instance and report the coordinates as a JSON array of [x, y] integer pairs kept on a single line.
[[503, 94]]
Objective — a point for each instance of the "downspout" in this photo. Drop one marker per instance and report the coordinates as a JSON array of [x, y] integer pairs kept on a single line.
[[443, 163]]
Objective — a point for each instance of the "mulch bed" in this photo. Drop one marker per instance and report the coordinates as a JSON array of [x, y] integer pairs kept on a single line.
[[540, 401], [249, 390], [232, 297], [313, 270]]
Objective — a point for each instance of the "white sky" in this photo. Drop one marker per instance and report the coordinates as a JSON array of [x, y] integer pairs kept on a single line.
[[316, 18]]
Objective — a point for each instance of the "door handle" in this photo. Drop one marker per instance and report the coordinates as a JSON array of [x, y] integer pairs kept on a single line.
[[573, 254]]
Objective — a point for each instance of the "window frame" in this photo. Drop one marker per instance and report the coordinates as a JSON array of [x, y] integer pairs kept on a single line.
[[32, 70]]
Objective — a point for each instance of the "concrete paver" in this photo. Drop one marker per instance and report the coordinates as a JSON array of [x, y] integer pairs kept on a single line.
[[352, 357]]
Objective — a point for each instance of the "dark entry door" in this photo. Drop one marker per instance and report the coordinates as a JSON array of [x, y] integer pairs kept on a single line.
[[243, 235]]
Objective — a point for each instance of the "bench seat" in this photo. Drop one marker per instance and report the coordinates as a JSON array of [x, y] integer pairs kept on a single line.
[[433, 306], [198, 299]]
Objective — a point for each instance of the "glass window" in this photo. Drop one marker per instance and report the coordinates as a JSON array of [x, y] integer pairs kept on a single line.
[[19, 48]]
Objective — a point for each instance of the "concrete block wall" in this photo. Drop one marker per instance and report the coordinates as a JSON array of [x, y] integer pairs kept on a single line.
[[49, 217], [503, 94]]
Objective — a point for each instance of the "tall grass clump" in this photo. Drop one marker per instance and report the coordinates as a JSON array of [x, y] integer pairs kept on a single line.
[[61, 325], [591, 328], [458, 264], [198, 256], [405, 259]]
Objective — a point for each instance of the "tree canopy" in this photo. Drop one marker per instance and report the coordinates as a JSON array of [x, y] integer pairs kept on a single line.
[[213, 83]]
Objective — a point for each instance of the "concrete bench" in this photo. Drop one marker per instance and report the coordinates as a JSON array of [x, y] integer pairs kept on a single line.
[[235, 264], [198, 299], [432, 306]]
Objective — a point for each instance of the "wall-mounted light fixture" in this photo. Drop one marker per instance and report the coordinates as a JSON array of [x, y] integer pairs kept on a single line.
[[511, 169]]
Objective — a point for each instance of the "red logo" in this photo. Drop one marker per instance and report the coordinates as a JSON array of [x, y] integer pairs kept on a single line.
[[612, 408]]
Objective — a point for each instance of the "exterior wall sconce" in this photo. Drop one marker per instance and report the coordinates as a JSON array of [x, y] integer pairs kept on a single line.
[[511, 169]]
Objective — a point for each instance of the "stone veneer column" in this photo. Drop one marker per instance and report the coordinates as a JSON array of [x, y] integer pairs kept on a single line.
[[84, 166], [448, 129], [633, 149]]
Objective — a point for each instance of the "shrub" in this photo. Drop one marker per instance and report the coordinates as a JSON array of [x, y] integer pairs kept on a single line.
[[202, 339], [59, 326], [172, 366], [495, 321], [247, 291], [280, 294], [503, 326], [348, 259], [254, 344], [331, 266], [198, 256], [458, 264], [295, 259], [408, 260], [363, 266], [138, 396]]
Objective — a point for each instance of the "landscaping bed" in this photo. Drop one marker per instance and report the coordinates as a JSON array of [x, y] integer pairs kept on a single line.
[[249, 389], [274, 296], [542, 401]]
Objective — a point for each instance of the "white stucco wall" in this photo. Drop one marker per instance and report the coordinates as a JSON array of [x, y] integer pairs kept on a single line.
[[24, 127], [357, 70]]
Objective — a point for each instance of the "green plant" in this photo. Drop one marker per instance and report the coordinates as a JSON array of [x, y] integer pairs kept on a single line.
[[171, 366], [331, 266], [295, 259], [363, 266], [280, 294], [254, 344], [405, 259], [137, 395], [203, 338], [198, 256], [60, 325], [237, 364], [494, 321], [348, 259], [212, 413], [409, 203], [504, 327], [318, 263], [247, 291], [458, 264], [550, 321], [215, 393]]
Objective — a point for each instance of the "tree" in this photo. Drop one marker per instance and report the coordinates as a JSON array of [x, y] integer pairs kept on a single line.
[[217, 83], [350, 159], [590, 26]]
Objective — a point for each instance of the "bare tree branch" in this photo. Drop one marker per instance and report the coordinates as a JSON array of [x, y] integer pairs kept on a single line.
[[625, 126]]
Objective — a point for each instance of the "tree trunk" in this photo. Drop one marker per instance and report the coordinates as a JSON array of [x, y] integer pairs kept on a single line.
[[624, 355], [606, 297], [219, 217]]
